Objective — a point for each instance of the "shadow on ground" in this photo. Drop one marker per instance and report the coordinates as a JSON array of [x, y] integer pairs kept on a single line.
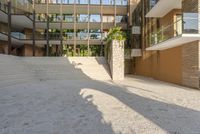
[[58, 105]]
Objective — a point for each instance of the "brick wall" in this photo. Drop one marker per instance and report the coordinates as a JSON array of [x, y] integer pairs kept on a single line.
[[190, 64], [190, 6]]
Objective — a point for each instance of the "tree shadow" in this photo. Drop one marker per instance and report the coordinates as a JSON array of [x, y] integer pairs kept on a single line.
[[171, 118], [56, 104]]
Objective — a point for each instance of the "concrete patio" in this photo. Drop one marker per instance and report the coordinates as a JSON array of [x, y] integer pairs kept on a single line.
[[63, 99]]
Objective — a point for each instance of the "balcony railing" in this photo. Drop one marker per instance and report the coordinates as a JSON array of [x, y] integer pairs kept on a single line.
[[185, 26], [40, 36], [85, 2], [54, 36]]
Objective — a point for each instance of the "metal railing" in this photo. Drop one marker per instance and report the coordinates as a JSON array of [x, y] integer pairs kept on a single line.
[[84, 2], [51, 36], [182, 26]]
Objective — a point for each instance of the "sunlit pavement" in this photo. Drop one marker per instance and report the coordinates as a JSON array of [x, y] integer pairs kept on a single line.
[[77, 104]]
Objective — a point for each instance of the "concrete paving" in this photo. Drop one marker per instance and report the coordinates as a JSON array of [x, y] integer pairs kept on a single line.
[[59, 96]]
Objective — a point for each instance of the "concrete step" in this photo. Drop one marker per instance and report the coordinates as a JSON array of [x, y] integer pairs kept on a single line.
[[21, 69]]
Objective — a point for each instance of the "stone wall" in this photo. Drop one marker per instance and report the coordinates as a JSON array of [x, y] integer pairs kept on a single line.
[[190, 57], [116, 61]]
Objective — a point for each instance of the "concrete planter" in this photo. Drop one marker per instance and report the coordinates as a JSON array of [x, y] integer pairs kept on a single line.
[[116, 59]]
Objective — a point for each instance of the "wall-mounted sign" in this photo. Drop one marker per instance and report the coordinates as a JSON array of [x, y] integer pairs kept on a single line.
[[136, 30]]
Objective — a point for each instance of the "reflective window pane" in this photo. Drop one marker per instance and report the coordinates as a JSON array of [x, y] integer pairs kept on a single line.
[[82, 34], [95, 34], [68, 18], [82, 18], [95, 18], [108, 18], [82, 1], [190, 22], [121, 2], [95, 2], [121, 19], [108, 2], [71, 1]]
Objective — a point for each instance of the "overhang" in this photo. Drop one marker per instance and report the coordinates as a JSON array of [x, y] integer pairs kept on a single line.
[[175, 42], [163, 7]]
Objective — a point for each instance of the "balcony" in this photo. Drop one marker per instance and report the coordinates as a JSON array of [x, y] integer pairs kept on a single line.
[[84, 2], [176, 34], [161, 7]]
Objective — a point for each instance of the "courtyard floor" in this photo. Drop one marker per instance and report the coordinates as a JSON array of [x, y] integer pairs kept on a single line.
[[42, 103]]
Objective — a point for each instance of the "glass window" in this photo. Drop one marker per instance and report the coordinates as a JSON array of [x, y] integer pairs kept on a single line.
[[108, 18], [82, 34], [54, 17], [121, 2], [190, 22], [68, 33], [41, 17], [95, 18], [121, 19], [65, 1], [95, 2], [68, 18], [95, 34], [55, 1], [108, 2], [82, 1], [82, 18], [71, 1], [54, 34], [40, 1]]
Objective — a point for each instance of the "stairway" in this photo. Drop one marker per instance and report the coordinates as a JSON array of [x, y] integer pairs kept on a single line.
[[15, 70], [94, 68]]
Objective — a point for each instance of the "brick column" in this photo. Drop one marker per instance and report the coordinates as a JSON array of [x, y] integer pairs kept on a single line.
[[117, 60], [191, 51], [191, 64], [199, 14]]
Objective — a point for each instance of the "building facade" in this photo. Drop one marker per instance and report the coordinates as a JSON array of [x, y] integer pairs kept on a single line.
[[169, 40], [60, 27], [163, 35]]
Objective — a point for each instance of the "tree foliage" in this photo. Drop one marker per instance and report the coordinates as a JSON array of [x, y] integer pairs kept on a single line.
[[115, 34]]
